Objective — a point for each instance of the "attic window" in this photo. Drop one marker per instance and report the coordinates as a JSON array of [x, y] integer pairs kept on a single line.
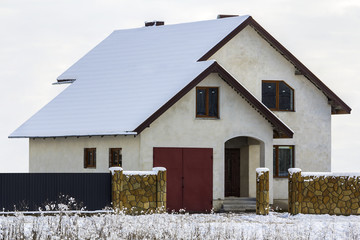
[[207, 102], [277, 96]]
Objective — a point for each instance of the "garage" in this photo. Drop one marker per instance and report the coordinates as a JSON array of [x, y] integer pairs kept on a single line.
[[189, 177]]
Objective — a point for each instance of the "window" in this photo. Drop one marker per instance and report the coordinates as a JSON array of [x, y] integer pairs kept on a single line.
[[283, 160], [115, 157], [278, 96], [207, 102], [89, 157]]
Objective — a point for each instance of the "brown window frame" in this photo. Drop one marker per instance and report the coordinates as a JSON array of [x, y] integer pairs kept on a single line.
[[111, 163], [277, 108], [207, 103], [276, 170], [87, 162]]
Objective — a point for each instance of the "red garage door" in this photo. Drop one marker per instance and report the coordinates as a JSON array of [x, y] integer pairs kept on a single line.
[[189, 177]]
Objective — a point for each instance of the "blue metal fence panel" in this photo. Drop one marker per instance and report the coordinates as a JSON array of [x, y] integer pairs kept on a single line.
[[31, 191]]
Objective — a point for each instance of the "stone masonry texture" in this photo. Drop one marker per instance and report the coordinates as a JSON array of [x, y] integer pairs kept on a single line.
[[262, 191], [295, 192], [327, 194], [139, 192]]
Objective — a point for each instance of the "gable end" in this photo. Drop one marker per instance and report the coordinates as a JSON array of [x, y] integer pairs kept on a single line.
[[337, 105], [279, 127]]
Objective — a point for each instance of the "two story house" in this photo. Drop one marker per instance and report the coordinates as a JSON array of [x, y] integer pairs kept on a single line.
[[211, 101]]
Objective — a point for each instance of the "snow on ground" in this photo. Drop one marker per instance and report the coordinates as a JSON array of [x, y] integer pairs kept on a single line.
[[180, 226]]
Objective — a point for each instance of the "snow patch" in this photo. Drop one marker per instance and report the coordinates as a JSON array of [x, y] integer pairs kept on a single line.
[[203, 226], [141, 173], [159, 169], [344, 175], [113, 169], [154, 171], [331, 174], [293, 170], [261, 170], [50, 212]]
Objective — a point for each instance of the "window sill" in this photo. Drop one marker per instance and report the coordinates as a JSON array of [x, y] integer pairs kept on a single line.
[[285, 177], [207, 118], [277, 110]]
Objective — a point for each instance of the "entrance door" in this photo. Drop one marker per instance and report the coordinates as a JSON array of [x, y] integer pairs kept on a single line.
[[189, 177], [232, 172]]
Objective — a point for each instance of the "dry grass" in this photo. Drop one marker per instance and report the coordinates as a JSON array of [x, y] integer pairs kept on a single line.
[[178, 226]]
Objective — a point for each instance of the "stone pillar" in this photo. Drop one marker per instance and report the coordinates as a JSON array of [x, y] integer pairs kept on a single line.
[[295, 190], [262, 191], [116, 187], [160, 187]]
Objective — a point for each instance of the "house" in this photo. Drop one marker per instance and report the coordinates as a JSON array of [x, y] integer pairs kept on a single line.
[[211, 101]]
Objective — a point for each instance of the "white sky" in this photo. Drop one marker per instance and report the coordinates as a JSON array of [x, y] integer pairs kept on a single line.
[[40, 39]]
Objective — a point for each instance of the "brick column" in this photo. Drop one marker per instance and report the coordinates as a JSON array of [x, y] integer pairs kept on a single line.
[[262, 191], [295, 190], [160, 187], [116, 187]]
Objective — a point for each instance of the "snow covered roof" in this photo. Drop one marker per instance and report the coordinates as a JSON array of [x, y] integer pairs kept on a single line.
[[129, 76], [151, 49]]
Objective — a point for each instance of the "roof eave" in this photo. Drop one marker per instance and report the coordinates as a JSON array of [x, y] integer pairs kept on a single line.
[[338, 105], [75, 135]]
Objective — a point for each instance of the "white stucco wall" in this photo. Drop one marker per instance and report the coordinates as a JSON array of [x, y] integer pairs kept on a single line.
[[250, 59], [254, 162], [178, 127], [67, 155]]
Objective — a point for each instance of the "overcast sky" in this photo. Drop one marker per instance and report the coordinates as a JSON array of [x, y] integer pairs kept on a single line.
[[40, 39]]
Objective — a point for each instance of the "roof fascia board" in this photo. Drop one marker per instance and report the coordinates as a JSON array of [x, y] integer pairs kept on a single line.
[[338, 106], [266, 112], [345, 109], [174, 99], [215, 67]]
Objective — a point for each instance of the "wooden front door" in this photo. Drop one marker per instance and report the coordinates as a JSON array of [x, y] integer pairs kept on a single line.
[[189, 177], [232, 172]]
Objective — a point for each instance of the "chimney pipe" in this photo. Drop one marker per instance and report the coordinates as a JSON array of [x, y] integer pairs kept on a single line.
[[154, 23], [225, 16]]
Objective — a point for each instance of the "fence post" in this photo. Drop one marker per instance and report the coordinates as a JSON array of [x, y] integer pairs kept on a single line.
[[295, 190], [262, 191], [160, 187], [116, 187]]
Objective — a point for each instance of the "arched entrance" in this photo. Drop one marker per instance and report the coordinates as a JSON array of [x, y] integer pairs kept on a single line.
[[242, 156]]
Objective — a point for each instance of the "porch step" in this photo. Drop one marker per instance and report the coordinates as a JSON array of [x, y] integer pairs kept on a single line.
[[239, 204]]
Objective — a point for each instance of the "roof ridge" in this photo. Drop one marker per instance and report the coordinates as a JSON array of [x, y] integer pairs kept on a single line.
[[184, 23]]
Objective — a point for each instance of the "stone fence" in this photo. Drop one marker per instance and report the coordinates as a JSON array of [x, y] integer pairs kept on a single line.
[[262, 191], [138, 190], [323, 193]]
